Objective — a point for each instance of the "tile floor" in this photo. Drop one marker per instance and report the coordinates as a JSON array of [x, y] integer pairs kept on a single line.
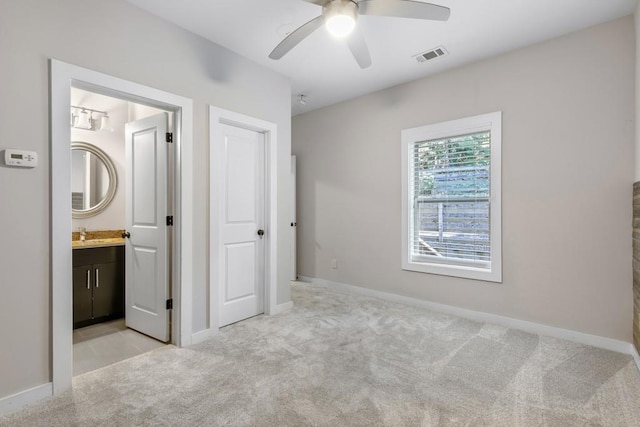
[[106, 343]]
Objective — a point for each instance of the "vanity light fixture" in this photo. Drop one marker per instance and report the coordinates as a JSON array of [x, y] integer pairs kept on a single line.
[[105, 123], [82, 118]]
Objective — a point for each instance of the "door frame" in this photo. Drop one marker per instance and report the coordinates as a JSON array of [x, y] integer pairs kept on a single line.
[[293, 200], [63, 76], [218, 117]]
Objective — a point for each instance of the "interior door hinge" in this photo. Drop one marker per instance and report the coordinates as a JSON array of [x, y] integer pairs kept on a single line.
[[170, 221], [169, 137], [170, 304]]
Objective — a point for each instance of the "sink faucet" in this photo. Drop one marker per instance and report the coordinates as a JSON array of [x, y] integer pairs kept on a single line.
[[83, 233]]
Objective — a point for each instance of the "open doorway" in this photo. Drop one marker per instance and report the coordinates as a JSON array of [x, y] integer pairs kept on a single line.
[[113, 318], [63, 77]]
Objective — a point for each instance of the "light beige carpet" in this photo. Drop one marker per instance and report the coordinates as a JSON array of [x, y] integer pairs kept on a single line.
[[345, 360]]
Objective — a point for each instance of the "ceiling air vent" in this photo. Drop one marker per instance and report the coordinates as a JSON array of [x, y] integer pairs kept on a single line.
[[431, 54]]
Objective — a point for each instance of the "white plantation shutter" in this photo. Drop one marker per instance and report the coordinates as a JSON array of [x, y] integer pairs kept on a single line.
[[451, 212], [450, 192]]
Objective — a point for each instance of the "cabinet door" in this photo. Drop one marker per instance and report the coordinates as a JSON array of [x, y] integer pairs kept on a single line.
[[82, 293], [107, 290]]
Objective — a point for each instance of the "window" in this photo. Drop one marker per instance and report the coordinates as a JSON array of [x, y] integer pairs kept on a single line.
[[451, 214]]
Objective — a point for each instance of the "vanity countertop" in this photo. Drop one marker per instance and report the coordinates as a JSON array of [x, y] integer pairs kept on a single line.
[[97, 243]]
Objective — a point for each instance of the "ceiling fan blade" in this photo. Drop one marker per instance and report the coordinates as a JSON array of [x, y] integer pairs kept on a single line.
[[358, 46], [404, 9], [318, 2], [296, 37]]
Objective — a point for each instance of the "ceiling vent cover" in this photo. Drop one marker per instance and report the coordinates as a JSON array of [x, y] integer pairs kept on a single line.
[[432, 54]]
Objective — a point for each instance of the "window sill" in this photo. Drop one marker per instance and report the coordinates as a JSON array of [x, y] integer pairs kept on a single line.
[[465, 272]]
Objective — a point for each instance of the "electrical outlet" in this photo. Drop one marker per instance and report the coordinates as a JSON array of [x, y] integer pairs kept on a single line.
[[334, 264]]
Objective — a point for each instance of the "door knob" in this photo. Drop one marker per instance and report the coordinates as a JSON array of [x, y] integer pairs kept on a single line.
[[126, 234], [260, 233]]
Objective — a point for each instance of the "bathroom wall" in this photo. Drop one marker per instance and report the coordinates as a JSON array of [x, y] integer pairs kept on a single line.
[[139, 111], [115, 38], [112, 143]]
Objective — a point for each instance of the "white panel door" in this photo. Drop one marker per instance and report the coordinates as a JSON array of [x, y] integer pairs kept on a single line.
[[146, 256], [242, 242]]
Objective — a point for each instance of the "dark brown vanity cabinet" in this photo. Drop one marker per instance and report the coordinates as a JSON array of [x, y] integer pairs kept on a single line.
[[98, 285]]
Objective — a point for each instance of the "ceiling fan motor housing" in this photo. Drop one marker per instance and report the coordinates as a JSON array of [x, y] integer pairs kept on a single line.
[[340, 16]]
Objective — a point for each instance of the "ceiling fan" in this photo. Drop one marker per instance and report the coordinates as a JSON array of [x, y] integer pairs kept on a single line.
[[340, 17]]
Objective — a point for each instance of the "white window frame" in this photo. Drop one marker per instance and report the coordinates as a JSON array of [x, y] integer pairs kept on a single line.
[[485, 122]]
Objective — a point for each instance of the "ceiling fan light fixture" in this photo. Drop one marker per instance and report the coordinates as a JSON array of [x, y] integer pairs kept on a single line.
[[340, 17]]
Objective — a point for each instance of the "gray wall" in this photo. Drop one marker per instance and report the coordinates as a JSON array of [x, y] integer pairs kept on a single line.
[[115, 38], [568, 110]]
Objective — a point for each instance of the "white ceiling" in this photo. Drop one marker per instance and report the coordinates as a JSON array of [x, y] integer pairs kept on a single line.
[[323, 69]]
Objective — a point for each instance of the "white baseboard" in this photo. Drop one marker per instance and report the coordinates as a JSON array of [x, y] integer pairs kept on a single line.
[[19, 400], [281, 308], [202, 336], [536, 328]]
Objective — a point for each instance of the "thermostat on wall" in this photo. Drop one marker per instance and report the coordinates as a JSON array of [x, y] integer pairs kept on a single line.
[[21, 158]]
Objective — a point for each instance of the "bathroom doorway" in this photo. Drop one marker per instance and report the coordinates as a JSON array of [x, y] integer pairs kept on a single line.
[[109, 326], [63, 77]]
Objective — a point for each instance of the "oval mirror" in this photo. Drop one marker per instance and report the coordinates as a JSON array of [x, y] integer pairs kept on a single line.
[[93, 180]]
